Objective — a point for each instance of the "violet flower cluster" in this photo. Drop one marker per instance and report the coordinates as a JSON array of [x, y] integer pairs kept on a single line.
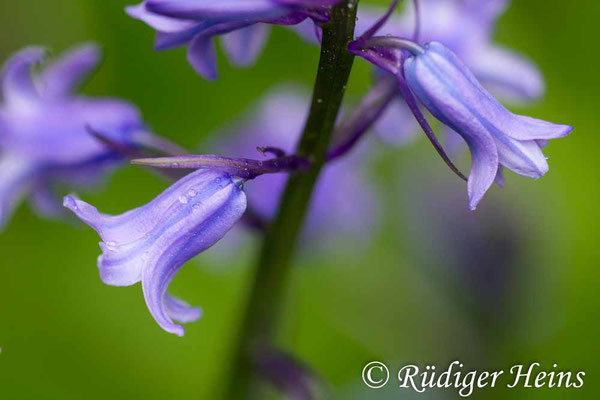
[[45, 129], [243, 25], [441, 60]]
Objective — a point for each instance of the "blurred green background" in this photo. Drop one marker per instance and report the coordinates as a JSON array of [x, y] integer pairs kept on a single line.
[[515, 282]]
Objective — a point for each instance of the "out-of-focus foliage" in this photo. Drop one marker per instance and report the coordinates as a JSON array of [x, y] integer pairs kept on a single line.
[[65, 335]]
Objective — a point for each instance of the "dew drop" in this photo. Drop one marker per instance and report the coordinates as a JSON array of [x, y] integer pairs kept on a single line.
[[192, 193], [183, 199]]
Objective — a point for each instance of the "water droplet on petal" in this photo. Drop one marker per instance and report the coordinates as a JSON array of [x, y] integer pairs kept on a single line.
[[192, 193], [183, 199]]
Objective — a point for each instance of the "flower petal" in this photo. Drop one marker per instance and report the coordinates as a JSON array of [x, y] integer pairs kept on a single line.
[[309, 3], [152, 242], [526, 128], [523, 157], [202, 56], [181, 311], [157, 21], [16, 176], [198, 234], [222, 10], [244, 45], [18, 87], [487, 7], [45, 202], [507, 74], [309, 31], [64, 74], [56, 132], [484, 168], [169, 40], [500, 177], [453, 142]]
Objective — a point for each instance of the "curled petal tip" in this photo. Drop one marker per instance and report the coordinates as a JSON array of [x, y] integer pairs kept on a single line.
[[70, 202], [17, 82], [175, 329], [181, 311], [79, 207], [567, 129], [195, 314], [91, 49], [30, 55]]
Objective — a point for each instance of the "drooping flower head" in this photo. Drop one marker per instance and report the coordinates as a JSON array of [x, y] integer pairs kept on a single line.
[[242, 23], [495, 136], [467, 28], [44, 128], [152, 242], [450, 91]]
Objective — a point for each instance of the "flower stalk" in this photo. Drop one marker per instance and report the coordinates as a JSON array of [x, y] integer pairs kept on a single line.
[[272, 270]]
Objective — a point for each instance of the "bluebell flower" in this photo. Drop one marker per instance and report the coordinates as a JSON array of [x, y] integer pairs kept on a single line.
[[467, 28], [152, 242], [495, 136], [44, 137], [449, 90], [243, 24]]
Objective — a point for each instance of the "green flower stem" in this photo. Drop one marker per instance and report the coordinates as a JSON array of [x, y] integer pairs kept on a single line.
[[272, 270]]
